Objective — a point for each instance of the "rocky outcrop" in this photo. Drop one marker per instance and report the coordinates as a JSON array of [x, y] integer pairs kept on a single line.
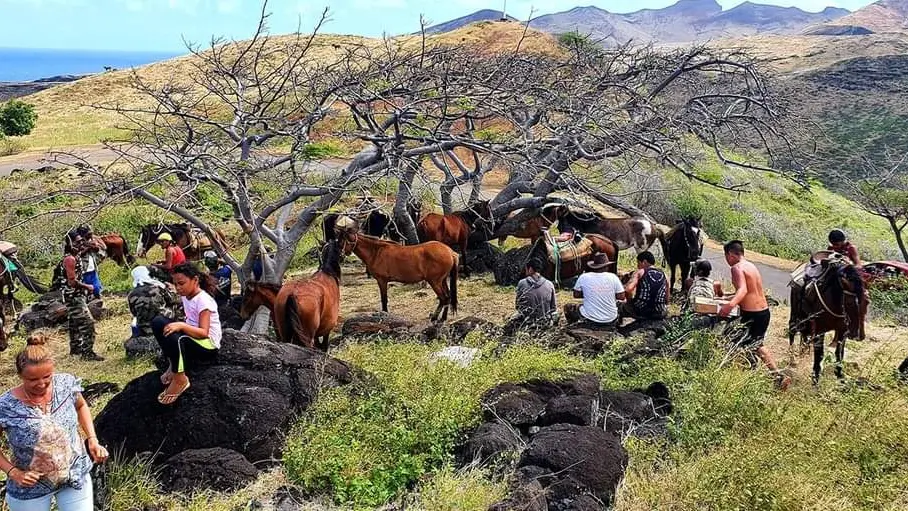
[[212, 469], [244, 401], [510, 267], [375, 324], [50, 312], [566, 438], [144, 346]]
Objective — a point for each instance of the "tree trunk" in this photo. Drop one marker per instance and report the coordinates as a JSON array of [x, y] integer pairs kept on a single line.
[[898, 237], [402, 218]]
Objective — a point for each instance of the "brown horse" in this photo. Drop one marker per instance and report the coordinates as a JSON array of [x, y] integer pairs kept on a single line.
[[117, 249], [302, 310], [432, 262], [571, 269], [637, 232], [833, 302], [194, 244], [454, 229]]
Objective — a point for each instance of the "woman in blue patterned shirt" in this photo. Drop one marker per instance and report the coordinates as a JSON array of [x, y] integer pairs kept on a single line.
[[41, 419]]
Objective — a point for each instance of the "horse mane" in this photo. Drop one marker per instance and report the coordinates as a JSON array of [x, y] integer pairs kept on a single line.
[[852, 275], [328, 223], [330, 260]]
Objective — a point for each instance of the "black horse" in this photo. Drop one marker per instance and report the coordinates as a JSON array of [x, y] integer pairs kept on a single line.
[[682, 246], [832, 302], [377, 223]]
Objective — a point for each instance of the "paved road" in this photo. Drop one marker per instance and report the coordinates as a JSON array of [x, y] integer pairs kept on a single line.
[[775, 280]]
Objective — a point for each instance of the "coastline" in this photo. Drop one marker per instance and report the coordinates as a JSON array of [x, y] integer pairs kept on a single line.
[[10, 90]]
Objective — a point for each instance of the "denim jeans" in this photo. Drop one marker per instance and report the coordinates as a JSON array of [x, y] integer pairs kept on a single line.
[[68, 499]]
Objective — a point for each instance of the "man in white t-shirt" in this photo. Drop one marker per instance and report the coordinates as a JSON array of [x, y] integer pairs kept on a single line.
[[601, 291]]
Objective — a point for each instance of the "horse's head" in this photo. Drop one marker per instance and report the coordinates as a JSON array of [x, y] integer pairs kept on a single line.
[[330, 259], [690, 229], [254, 296], [854, 303], [147, 238], [347, 232]]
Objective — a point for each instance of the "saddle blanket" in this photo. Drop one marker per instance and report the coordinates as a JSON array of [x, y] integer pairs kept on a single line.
[[567, 251]]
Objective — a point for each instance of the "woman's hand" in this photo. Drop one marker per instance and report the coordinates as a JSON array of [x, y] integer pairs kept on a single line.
[[175, 327], [23, 478], [97, 451]]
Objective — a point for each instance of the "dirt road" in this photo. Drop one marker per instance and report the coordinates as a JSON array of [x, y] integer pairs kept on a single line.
[[35, 160]]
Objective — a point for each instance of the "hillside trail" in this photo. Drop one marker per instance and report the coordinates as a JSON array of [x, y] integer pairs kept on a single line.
[[95, 154]]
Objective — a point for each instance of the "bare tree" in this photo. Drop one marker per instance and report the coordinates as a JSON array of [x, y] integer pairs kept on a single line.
[[244, 125], [884, 192]]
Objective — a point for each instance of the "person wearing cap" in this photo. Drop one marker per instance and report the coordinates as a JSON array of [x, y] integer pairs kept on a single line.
[[222, 275], [600, 291], [173, 254], [838, 243], [149, 298], [649, 289]]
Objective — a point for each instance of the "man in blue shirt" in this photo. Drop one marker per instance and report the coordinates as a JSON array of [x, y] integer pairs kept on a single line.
[[222, 275]]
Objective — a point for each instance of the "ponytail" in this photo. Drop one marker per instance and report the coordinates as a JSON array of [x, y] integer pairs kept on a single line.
[[206, 282]]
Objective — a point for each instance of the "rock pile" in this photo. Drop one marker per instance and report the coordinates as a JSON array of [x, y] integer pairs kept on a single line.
[[562, 439], [50, 312], [244, 403]]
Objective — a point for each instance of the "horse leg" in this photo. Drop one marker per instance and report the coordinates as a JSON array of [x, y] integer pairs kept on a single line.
[[323, 345], [671, 284], [817, 358], [840, 356], [441, 291], [383, 292]]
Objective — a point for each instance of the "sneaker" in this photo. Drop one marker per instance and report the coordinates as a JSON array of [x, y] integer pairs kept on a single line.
[[91, 356]]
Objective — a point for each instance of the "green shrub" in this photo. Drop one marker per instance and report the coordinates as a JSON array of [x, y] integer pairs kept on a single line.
[[9, 147], [889, 300], [17, 118]]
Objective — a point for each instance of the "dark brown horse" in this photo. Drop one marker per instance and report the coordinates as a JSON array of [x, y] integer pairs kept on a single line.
[[833, 302], [571, 269], [454, 228], [302, 310], [681, 246], [117, 249], [432, 262], [193, 244], [533, 228]]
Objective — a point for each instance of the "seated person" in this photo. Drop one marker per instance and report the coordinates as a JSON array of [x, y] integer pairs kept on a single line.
[[173, 254], [649, 289], [535, 300], [148, 299], [198, 338], [222, 275], [838, 242], [701, 285], [601, 291]]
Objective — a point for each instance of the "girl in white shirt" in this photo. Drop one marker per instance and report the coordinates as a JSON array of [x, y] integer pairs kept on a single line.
[[196, 339]]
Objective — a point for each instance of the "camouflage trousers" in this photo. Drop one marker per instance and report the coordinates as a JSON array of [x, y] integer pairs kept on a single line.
[[81, 325]]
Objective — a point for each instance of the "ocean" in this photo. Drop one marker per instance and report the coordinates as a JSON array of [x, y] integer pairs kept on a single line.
[[24, 64]]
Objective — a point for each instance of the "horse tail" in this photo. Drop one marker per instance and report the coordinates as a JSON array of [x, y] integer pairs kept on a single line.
[[453, 275], [293, 324]]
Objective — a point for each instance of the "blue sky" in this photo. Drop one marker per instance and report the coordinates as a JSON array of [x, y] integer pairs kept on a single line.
[[160, 25]]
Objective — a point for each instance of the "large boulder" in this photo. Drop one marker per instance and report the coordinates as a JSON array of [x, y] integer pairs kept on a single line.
[[585, 460], [488, 442], [638, 412], [483, 258], [512, 404], [460, 329], [584, 340], [214, 469], [244, 401], [510, 267]]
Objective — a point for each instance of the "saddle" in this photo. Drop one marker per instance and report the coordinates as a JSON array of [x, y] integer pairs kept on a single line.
[[567, 251], [8, 249], [814, 268]]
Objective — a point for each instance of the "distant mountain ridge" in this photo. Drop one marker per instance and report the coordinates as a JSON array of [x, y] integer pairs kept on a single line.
[[881, 16], [684, 21]]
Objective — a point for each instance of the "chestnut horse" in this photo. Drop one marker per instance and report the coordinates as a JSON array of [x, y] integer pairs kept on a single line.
[[454, 229], [117, 249], [302, 310], [432, 262], [571, 269], [833, 302]]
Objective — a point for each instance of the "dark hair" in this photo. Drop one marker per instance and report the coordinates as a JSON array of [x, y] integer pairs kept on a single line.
[[703, 268], [193, 272], [734, 247], [534, 264], [647, 256], [837, 236], [35, 352]]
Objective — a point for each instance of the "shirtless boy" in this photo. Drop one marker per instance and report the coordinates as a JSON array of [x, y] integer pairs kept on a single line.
[[754, 308]]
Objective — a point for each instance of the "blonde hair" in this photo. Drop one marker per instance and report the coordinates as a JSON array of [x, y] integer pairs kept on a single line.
[[35, 352]]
